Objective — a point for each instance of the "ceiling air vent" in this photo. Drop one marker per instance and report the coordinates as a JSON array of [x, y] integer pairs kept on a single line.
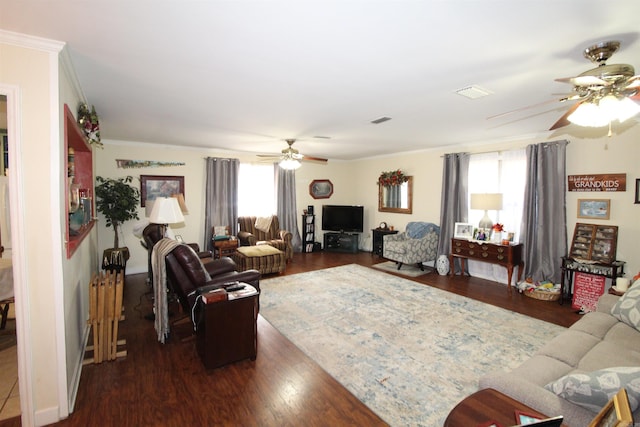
[[380, 120], [473, 92]]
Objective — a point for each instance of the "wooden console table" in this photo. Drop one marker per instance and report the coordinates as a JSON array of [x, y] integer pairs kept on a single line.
[[506, 255]]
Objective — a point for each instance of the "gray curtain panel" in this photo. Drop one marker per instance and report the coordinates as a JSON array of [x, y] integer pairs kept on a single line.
[[454, 199], [221, 196], [544, 227], [286, 204]]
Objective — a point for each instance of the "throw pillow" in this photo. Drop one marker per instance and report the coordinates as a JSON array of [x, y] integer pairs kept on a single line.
[[593, 390], [627, 309]]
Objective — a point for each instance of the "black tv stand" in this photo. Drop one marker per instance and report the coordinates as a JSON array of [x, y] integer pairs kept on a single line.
[[341, 242]]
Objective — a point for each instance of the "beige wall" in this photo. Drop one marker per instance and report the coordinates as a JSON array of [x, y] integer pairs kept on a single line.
[[34, 71], [355, 183]]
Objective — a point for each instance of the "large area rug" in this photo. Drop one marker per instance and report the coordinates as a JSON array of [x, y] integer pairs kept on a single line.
[[405, 270], [408, 351]]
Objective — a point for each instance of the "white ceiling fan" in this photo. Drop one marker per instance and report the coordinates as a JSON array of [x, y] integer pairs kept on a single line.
[[291, 158]]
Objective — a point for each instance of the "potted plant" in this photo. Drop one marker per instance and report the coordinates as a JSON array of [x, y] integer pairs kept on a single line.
[[118, 202]]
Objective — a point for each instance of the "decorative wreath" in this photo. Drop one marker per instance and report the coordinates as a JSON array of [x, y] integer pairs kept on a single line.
[[392, 178]]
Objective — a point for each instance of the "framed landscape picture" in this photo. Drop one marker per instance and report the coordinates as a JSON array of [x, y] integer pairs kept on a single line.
[[594, 208], [152, 186]]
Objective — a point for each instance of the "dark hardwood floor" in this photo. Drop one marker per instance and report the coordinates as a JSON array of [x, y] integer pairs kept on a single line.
[[167, 385]]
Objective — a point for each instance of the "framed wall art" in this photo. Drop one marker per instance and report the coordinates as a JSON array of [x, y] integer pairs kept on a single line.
[[637, 191], [321, 188], [152, 186], [594, 208]]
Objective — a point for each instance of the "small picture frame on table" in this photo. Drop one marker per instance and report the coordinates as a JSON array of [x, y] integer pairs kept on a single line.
[[463, 230], [525, 418]]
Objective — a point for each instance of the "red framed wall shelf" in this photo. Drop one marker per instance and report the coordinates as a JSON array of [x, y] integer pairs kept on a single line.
[[78, 183]]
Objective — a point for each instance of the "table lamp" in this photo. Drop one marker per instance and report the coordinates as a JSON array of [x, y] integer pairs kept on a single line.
[[486, 202], [166, 210]]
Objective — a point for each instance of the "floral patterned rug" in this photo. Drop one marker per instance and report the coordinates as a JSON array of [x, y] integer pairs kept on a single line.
[[408, 351]]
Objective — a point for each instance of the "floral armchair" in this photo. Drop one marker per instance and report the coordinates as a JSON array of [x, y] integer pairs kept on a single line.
[[417, 244], [265, 231]]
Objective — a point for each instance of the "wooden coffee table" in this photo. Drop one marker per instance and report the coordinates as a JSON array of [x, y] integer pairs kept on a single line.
[[488, 405]]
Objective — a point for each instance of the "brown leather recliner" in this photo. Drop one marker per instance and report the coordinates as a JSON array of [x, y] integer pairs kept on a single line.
[[152, 234], [187, 278]]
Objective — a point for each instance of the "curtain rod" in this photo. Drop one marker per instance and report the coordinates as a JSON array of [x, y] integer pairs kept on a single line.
[[512, 149]]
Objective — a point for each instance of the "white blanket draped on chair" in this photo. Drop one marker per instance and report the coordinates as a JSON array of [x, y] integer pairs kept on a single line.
[[160, 251]]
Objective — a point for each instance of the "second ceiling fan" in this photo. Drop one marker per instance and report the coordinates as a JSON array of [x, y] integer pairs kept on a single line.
[[291, 157]]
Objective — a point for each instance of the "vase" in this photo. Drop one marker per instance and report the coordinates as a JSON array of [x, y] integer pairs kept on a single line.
[[442, 265]]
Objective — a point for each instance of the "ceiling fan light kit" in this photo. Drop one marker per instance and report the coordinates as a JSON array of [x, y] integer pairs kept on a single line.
[[289, 164], [605, 111]]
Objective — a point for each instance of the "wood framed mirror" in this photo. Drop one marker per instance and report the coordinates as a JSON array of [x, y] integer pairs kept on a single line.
[[396, 198]]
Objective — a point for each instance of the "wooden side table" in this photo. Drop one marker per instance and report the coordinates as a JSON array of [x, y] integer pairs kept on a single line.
[[228, 332], [488, 405], [378, 240], [224, 247]]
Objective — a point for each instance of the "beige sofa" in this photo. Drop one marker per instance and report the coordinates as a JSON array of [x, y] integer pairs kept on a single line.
[[597, 341]]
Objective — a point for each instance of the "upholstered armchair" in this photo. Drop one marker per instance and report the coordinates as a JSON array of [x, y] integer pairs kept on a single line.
[[268, 233], [417, 244]]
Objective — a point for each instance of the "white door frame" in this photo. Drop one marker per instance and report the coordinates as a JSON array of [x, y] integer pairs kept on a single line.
[[16, 203]]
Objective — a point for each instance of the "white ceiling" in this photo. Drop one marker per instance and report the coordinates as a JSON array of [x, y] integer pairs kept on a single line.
[[244, 75]]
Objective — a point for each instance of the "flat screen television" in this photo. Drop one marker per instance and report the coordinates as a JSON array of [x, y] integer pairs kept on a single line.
[[344, 219]]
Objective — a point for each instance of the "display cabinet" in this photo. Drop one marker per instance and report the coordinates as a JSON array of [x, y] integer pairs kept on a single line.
[[79, 207], [594, 242]]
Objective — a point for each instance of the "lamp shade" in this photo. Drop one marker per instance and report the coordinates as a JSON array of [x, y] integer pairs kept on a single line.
[[166, 210], [486, 201]]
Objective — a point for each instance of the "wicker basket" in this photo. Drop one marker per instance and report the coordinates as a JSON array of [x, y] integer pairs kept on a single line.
[[543, 295]]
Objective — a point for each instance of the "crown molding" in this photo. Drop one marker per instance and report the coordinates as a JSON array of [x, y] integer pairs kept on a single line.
[[31, 42]]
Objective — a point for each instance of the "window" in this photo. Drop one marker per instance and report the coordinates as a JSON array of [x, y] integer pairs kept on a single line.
[[505, 173], [256, 190]]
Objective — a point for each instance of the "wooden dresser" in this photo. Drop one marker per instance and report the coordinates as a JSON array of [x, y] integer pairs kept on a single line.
[[506, 255]]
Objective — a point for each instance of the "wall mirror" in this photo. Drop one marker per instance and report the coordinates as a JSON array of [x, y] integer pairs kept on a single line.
[[396, 198]]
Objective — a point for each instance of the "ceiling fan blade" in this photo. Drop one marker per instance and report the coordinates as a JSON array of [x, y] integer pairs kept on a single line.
[[584, 81], [568, 97], [563, 121], [632, 83], [314, 159]]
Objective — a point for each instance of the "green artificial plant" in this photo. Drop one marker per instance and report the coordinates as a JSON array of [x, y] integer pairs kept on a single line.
[[117, 201]]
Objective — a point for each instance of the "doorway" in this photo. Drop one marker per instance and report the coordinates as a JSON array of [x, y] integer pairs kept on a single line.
[[9, 389]]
